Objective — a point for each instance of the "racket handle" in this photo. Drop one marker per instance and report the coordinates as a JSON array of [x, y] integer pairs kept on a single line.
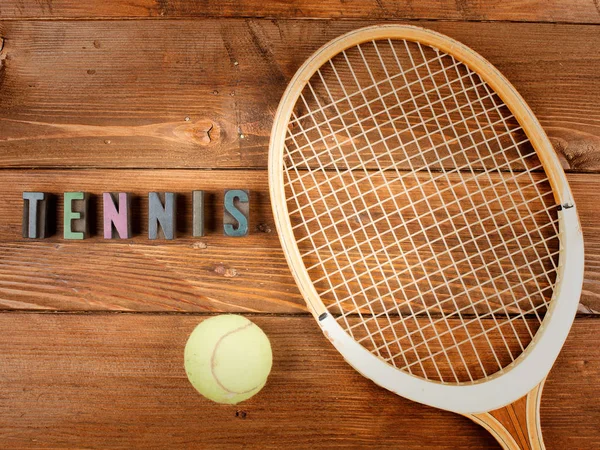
[[516, 426]]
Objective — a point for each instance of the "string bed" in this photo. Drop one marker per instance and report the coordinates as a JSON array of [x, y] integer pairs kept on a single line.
[[421, 211]]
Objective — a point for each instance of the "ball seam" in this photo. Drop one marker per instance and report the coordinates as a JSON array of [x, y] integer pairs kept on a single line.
[[212, 361]]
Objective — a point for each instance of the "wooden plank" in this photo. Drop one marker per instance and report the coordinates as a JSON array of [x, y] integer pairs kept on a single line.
[[116, 381], [583, 11], [211, 273], [204, 93]]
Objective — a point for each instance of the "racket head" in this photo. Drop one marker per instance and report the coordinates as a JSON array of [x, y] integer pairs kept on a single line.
[[513, 380]]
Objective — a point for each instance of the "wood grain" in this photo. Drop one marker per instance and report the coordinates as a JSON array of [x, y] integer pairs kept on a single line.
[[117, 381], [211, 273], [583, 11], [516, 426], [202, 94], [179, 93]]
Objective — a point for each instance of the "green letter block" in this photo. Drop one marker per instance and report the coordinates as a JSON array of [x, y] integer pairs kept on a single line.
[[79, 229]]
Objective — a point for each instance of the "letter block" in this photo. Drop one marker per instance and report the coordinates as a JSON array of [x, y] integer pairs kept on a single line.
[[236, 212], [76, 224], [161, 214], [117, 219], [198, 213], [35, 215]]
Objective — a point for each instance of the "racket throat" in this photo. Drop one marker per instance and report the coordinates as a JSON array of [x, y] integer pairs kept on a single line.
[[517, 425]]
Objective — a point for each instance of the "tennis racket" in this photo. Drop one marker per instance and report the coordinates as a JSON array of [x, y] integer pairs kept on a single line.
[[428, 223]]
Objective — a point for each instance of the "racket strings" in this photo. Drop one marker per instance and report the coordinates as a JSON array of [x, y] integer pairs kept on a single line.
[[425, 230], [473, 142], [353, 109], [457, 201], [470, 105], [420, 218], [370, 336], [324, 152], [444, 318], [470, 306], [457, 170], [309, 113], [371, 187]]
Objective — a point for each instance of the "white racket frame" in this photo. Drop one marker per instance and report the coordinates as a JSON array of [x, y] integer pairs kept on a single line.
[[533, 365]]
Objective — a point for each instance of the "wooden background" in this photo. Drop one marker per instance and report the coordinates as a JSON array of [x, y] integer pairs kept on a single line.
[[140, 95]]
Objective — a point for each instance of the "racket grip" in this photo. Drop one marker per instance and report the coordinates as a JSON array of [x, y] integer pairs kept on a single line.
[[516, 426]]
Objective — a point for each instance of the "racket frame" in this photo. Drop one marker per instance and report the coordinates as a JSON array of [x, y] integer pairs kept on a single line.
[[531, 367]]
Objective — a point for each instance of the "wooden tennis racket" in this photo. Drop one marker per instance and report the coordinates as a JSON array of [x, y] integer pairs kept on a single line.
[[428, 223]]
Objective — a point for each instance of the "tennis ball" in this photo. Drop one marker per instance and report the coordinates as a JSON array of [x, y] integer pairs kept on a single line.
[[228, 358]]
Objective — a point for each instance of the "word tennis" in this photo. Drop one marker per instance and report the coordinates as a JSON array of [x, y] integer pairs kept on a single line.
[[117, 220]]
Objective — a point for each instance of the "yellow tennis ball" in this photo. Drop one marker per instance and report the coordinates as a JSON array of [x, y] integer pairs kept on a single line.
[[228, 358]]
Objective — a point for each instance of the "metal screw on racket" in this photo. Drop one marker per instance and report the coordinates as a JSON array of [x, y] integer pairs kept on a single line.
[[428, 223]]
